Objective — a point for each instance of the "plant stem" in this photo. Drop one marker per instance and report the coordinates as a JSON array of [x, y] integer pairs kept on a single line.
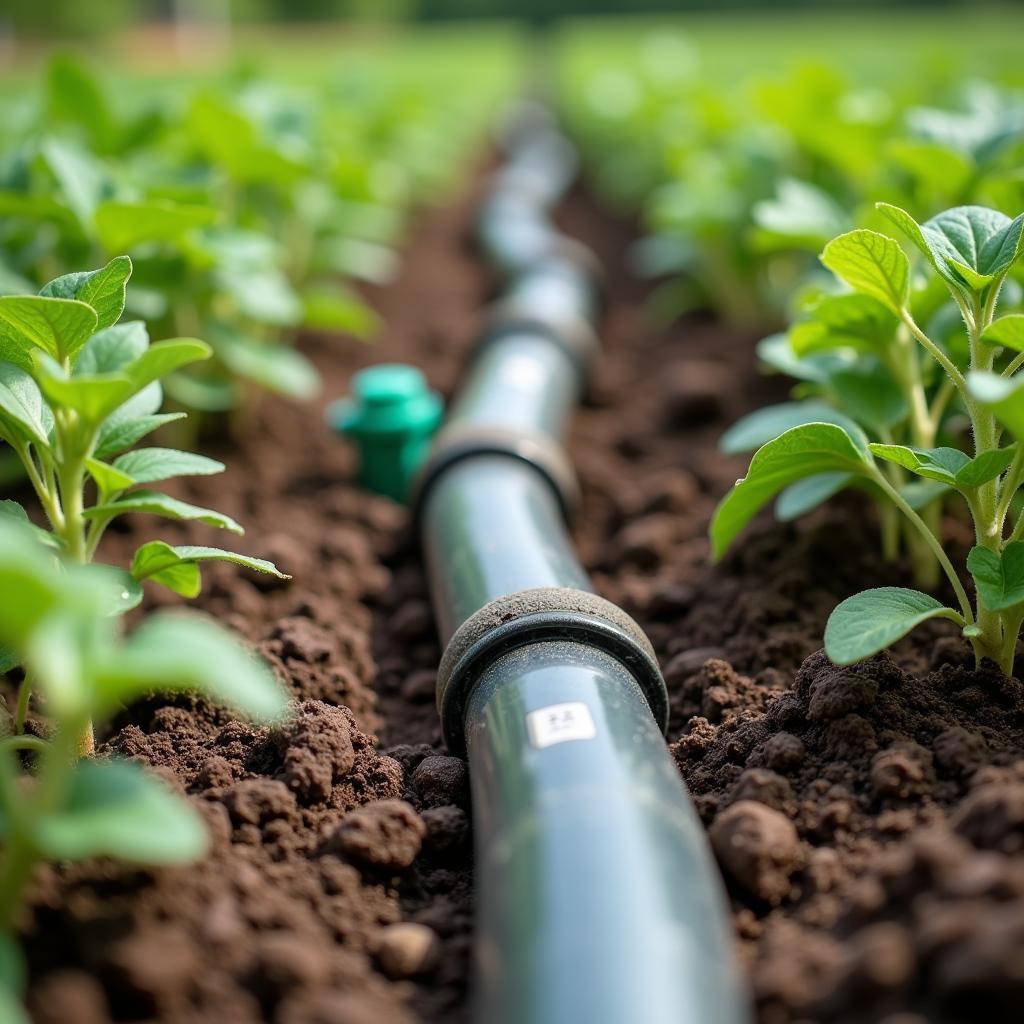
[[935, 352], [933, 543]]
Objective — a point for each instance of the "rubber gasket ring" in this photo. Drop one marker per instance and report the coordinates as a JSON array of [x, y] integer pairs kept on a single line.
[[460, 441]]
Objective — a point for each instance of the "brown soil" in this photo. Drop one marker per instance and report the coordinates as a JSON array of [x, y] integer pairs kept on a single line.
[[869, 821]]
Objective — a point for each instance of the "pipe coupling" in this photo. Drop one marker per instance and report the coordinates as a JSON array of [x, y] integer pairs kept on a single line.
[[534, 616]]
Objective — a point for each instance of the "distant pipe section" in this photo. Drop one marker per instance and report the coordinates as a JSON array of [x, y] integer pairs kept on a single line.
[[598, 900]]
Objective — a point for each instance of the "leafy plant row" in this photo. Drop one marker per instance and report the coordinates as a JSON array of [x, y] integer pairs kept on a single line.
[[240, 211], [741, 178], [249, 205], [802, 197]]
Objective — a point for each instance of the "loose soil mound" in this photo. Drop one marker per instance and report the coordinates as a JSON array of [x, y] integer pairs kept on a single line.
[[869, 821]]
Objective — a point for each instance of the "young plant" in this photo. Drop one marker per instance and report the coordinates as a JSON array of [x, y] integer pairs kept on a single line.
[[77, 391], [55, 619], [971, 250]]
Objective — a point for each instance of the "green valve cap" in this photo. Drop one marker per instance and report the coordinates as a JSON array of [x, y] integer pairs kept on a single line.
[[391, 418]]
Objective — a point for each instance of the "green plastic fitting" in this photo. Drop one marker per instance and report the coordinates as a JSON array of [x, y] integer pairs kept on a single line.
[[391, 417]]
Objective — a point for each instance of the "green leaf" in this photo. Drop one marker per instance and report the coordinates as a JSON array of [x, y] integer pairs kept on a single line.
[[79, 176], [1004, 396], [74, 94], [109, 479], [59, 327], [872, 264], [919, 494], [121, 226], [92, 396], [1007, 331], [949, 466], [801, 452], [147, 465], [338, 309], [969, 246], [870, 395], [12, 512], [278, 368], [103, 289], [21, 404], [801, 215], [116, 434], [164, 357], [873, 620], [177, 567], [844, 321], [115, 809], [761, 426], [181, 651], [999, 578], [113, 348], [157, 504], [806, 495]]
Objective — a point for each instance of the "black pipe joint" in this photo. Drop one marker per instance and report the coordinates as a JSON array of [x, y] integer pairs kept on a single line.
[[543, 615]]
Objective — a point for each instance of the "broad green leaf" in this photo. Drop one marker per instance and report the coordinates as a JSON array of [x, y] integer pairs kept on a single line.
[[147, 465], [872, 264], [118, 433], [58, 327], [757, 428], [870, 395], [801, 452], [92, 396], [1004, 396], [32, 586], [999, 578], [919, 494], [164, 357], [801, 214], [112, 349], [940, 464], [178, 567], [157, 504], [263, 294], [949, 466], [806, 495], [22, 403], [969, 246], [776, 352], [873, 620], [278, 368], [109, 479], [121, 226], [79, 176], [175, 651], [12, 512], [53, 655], [1007, 331], [73, 94], [115, 809], [338, 309], [102, 289], [844, 321], [986, 466]]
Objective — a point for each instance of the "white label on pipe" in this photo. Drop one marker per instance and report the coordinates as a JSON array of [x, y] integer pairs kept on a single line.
[[559, 723]]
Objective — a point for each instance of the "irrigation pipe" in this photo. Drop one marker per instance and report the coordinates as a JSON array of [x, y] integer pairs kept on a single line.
[[598, 900]]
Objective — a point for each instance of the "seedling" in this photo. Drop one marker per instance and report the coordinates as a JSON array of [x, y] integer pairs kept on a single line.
[[55, 620], [971, 250], [77, 391]]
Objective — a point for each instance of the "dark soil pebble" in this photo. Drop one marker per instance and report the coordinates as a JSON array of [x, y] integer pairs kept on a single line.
[[869, 821]]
